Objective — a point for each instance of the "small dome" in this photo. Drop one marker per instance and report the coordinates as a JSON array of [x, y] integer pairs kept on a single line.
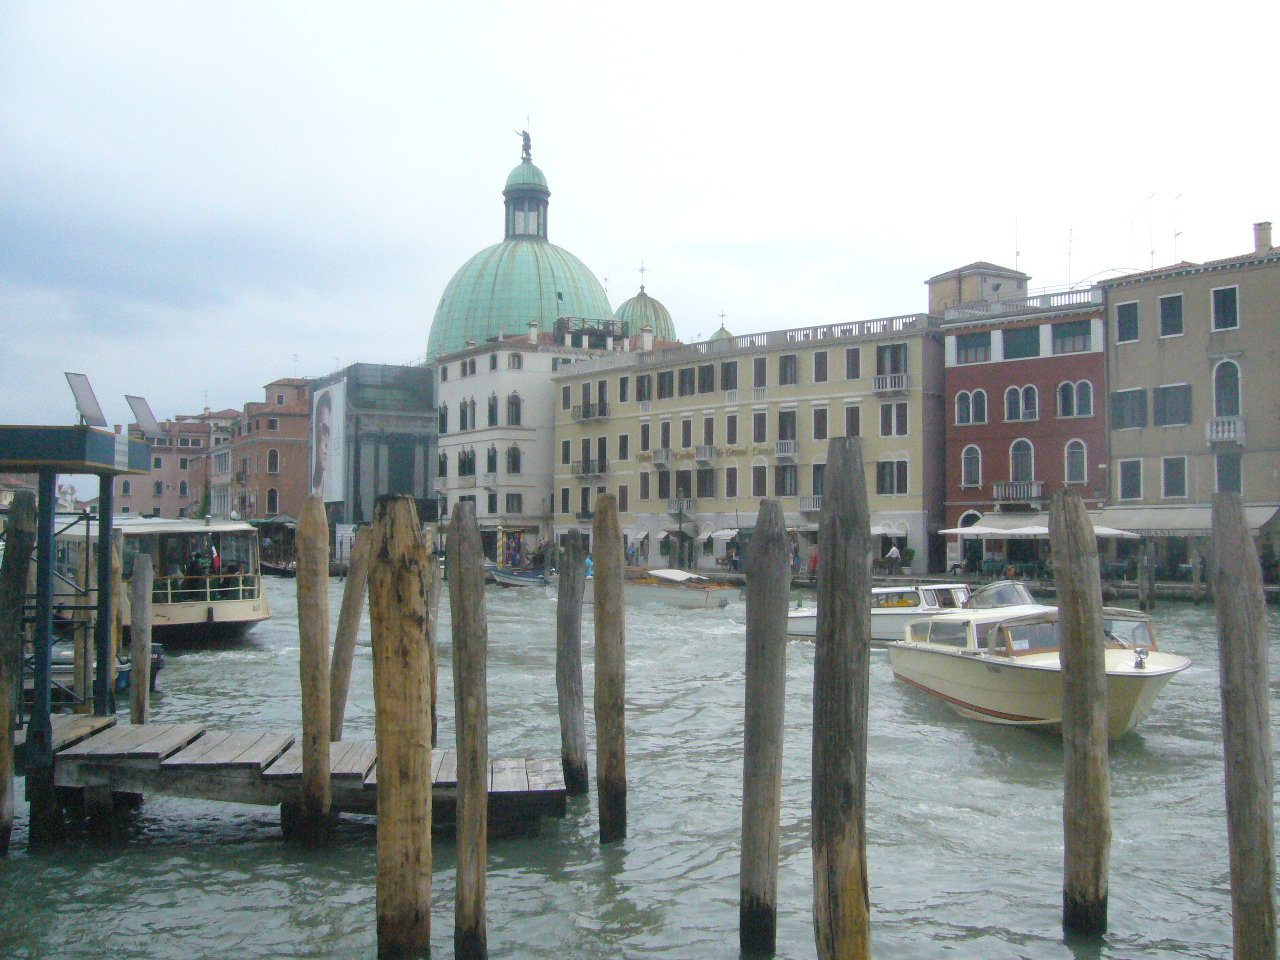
[[642, 311], [526, 176], [722, 334]]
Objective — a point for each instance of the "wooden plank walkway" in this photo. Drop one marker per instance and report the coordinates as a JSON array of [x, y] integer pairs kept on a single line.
[[264, 768]]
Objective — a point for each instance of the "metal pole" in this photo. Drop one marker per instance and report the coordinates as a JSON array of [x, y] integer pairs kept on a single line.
[[103, 694], [40, 726]]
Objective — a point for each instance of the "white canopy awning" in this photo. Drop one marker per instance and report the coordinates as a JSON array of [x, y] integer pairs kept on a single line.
[[1181, 521], [727, 534]]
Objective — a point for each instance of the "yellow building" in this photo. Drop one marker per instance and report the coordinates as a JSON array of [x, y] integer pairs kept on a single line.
[[691, 438]]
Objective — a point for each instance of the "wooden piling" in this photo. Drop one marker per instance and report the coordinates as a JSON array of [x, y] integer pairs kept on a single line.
[[398, 610], [140, 584], [1147, 581], [434, 590], [471, 720], [1197, 574], [117, 625], [1086, 806], [611, 671], [768, 588], [83, 638], [311, 820], [344, 638], [573, 727], [841, 670], [1246, 730], [20, 539]]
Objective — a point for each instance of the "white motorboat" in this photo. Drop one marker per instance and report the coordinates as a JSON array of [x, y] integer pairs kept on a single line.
[[678, 588], [1002, 665], [892, 608]]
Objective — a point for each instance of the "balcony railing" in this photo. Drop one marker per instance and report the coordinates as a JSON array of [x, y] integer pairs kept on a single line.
[[468, 481], [1018, 491], [892, 383], [489, 480], [680, 505], [705, 454], [588, 468], [731, 396], [784, 448], [590, 411], [811, 504], [662, 457], [1225, 430], [585, 514], [759, 393]]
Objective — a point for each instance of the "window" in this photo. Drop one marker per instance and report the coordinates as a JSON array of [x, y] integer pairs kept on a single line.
[[564, 499], [442, 468], [973, 347], [644, 387], [443, 425], [971, 467], [708, 431], [666, 385], [1013, 404], [182, 463], [686, 434], [491, 460], [819, 423], [687, 381], [705, 482], [279, 399], [1130, 480], [684, 484], [493, 365], [964, 410], [729, 375], [644, 485], [182, 488], [602, 392], [491, 503], [891, 477], [893, 419], [515, 361], [707, 378], [1084, 399], [273, 461], [818, 479], [785, 480], [1226, 390], [1022, 462], [644, 437], [1173, 477], [731, 482], [1225, 316], [820, 366], [1128, 409], [566, 397], [1072, 336], [584, 501], [623, 384], [602, 452], [890, 359], [1228, 470], [1030, 404], [788, 369], [853, 421], [759, 481], [664, 435], [1022, 342], [566, 451], [759, 426], [186, 441], [444, 375], [1076, 462], [513, 410], [515, 501], [852, 363], [760, 373], [624, 499], [463, 419], [1075, 399], [1171, 316], [493, 410], [155, 464], [157, 489], [731, 429], [1171, 406], [126, 488], [1126, 322], [273, 500], [624, 446], [979, 406]]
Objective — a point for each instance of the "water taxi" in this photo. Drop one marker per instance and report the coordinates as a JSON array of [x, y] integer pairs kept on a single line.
[[892, 608]]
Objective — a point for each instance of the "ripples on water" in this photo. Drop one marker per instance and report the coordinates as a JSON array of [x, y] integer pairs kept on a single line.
[[964, 819]]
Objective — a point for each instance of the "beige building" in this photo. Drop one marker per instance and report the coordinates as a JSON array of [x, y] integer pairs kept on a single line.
[[691, 438], [1194, 404]]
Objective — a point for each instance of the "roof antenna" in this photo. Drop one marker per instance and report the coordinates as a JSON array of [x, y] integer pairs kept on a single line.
[[1016, 251], [1176, 232], [1151, 231]]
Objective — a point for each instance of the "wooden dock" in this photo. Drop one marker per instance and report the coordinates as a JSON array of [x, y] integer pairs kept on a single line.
[[265, 768]]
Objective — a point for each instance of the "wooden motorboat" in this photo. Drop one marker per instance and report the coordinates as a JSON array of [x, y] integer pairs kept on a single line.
[[1002, 666], [892, 608]]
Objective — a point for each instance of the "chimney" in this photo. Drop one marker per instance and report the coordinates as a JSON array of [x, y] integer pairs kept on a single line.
[[1262, 237], [533, 332], [646, 338], [471, 343]]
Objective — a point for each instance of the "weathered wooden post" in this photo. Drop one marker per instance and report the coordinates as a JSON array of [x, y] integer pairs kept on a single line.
[[1147, 581], [140, 584], [434, 580], [83, 636], [768, 588], [841, 670], [1246, 730], [344, 638], [471, 720], [1086, 806], [310, 820], [573, 726], [20, 539], [1197, 574], [611, 671], [105, 690], [398, 602]]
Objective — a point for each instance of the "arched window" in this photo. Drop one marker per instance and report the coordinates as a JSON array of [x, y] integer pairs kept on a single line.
[[1022, 463], [964, 412], [491, 460], [513, 410], [1030, 404], [126, 488], [515, 361], [979, 406], [1066, 400], [182, 488], [493, 409], [444, 420], [471, 409], [443, 470], [971, 467], [1084, 399], [1226, 390], [273, 461], [513, 460], [273, 500], [1013, 404], [1075, 462]]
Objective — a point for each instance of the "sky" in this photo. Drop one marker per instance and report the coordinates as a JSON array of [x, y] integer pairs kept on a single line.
[[199, 198]]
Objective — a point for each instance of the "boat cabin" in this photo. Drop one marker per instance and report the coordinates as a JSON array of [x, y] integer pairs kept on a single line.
[[997, 633]]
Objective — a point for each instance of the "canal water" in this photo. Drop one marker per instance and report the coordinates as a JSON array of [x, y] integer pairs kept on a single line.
[[964, 819]]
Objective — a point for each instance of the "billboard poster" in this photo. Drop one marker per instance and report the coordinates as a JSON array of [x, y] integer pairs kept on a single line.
[[328, 419]]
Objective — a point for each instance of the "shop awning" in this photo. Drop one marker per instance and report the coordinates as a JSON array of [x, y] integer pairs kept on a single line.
[[728, 534], [1181, 521]]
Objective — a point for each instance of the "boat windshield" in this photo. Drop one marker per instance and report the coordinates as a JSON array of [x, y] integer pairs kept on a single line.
[[1128, 632], [1002, 593], [1032, 637], [895, 598], [1040, 636]]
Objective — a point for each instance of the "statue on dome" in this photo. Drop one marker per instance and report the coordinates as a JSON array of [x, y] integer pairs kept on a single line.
[[526, 152]]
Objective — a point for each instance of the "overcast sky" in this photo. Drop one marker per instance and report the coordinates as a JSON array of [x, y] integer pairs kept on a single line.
[[197, 198]]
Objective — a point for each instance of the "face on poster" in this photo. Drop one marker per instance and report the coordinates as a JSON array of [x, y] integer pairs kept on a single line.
[[328, 414]]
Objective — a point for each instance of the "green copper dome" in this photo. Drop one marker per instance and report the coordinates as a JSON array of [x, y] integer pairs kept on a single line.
[[502, 288], [642, 311], [722, 334]]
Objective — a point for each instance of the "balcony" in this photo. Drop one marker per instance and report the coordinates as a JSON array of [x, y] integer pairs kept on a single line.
[[489, 481], [588, 468], [759, 393], [585, 514], [811, 504], [591, 411], [892, 383], [1018, 491], [1225, 430], [784, 449], [731, 396], [705, 454], [662, 458], [469, 481], [681, 505]]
